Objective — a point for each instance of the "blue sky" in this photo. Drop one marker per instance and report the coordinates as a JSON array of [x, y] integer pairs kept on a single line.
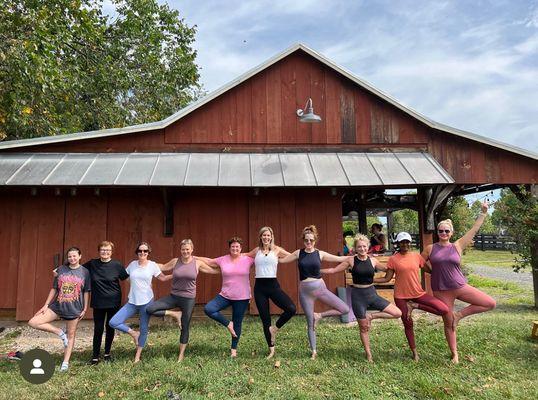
[[470, 64]]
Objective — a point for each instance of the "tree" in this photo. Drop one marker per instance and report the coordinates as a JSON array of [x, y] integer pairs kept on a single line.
[[405, 220], [65, 67], [457, 209]]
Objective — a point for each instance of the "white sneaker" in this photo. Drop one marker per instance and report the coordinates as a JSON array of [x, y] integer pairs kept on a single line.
[[64, 367], [64, 338]]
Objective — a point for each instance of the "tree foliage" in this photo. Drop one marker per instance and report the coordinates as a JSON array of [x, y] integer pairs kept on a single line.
[[405, 221], [66, 67], [519, 216]]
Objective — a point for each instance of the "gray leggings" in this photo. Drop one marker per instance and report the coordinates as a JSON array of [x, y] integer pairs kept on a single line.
[[186, 304], [309, 292]]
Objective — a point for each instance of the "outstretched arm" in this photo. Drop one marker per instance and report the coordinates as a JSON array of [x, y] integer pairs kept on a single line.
[[163, 277], [252, 253], [202, 266], [340, 267], [290, 257], [466, 239], [169, 265], [331, 257], [209, 261], [281, 252], [377, 264], [388, 276]]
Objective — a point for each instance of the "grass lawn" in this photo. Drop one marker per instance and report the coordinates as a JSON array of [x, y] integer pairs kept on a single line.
[[498, 361], [491, 258]]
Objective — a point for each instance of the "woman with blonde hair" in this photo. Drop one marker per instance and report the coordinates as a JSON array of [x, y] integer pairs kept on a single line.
[[448, 282], [312, 287], [185, 269], [363, 293], [266, 287]]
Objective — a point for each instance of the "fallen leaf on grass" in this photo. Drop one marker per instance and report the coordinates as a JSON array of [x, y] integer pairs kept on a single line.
[[101, 394], [470, 358]]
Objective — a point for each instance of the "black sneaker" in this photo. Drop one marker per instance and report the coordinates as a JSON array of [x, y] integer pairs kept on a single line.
[[108, 358], [94, 361]]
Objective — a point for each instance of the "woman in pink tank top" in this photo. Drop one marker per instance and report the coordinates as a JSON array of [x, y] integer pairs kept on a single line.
[[448, 282]]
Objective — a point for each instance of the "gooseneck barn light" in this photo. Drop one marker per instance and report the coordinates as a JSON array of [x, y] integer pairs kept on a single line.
[[307, 115]]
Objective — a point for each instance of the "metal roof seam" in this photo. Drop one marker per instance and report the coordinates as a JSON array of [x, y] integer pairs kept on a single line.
[[281, 170], [374, 168], [438, 167], [312, 168], [405, 168], [18, 169], [54, 169], [187, 169], [87, 169], [343, 169], [154, 169], [121, 169]]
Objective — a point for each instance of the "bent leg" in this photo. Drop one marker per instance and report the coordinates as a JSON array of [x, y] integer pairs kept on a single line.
[[43, 322], [212, 309], [118, 320], [479, 301], [339, 307], [159, 307], [285, 303], [431, 304]]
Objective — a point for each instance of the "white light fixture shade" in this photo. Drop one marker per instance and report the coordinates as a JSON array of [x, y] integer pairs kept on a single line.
[[307, 115]]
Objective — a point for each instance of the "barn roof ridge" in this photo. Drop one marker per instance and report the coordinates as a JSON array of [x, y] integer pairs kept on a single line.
[[247, 75]]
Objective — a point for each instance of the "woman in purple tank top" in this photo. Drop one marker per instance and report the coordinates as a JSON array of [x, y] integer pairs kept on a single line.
[[183, 291], [448, 282]]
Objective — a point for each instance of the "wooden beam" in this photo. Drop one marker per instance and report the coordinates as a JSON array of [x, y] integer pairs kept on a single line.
[[168, 203], [434, 198]]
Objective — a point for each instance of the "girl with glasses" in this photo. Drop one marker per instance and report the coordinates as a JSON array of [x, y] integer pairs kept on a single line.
[[141, 273], [448, 282], [312, 287]]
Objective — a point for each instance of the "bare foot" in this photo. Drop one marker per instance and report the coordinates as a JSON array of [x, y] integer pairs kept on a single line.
[[135, 335], [230, 328], [314, 355], [136, 360], [317, 317], [177, 315], [455, 359], [273, 330], [181, 357], [415, 356], [369, 358], [410, 307], [271, 352], [456, 316], [233, 353]]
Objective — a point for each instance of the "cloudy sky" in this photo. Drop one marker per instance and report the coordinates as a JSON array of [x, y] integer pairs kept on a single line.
[[472, 65]]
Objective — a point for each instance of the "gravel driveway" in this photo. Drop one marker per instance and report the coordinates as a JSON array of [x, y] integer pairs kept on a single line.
[[522, 278]]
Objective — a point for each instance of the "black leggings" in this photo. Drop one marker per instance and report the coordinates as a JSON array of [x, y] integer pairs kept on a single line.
[[186, 304], [266, 289], [99, 317]]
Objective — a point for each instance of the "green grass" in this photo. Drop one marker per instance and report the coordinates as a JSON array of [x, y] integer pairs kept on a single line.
[[498, 361], [490, 258]]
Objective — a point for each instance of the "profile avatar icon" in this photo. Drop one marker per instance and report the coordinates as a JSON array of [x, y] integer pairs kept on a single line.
[[37, 370]]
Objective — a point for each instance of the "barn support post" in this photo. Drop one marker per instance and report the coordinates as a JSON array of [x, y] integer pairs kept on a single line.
[[534, 255], [168, 203], [363, 225]]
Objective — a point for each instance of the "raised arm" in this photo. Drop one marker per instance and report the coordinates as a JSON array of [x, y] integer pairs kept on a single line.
[[466, 239], [388, 276], [202, 266], [169, 265], [290, 257], [331, 257], [340, 267]]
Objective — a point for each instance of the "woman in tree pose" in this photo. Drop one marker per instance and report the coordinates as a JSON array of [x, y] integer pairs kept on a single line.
[[363, 293], [141, 273], [185, 270], [266, 286], [408, 293], [68, 300], [235, 292], [312, 287], [448, 282]]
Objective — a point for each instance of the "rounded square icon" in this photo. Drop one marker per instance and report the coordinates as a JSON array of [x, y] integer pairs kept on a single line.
[[37, 366]]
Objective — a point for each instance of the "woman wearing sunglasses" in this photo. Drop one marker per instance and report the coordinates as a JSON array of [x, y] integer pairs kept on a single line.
[[408, 293], [312, 287], [141, 273], [448, 282]]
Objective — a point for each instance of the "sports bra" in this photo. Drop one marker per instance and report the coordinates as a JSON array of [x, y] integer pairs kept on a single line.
[[363, 271], [309, 265]]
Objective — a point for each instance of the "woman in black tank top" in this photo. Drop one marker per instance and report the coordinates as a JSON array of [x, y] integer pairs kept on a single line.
[[363, 293], [312, 287]]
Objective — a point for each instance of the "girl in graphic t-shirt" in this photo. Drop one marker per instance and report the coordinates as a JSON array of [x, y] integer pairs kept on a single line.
[[408, 293], [141, 273], [68, 300], [235, 292], [448, 282]]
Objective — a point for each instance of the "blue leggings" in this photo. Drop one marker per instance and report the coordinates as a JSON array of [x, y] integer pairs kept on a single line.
[[126, 312], [212, 309]]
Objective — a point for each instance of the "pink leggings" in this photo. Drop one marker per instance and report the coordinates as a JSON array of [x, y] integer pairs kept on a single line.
[[426, 303], [478, 302]]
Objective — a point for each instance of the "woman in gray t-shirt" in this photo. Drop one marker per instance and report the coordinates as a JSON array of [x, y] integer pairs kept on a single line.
[[68, 299]]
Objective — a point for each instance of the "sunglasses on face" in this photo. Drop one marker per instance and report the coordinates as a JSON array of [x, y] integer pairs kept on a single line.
[[140, 251], [105, 251], [447, 231], [309, 240]]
